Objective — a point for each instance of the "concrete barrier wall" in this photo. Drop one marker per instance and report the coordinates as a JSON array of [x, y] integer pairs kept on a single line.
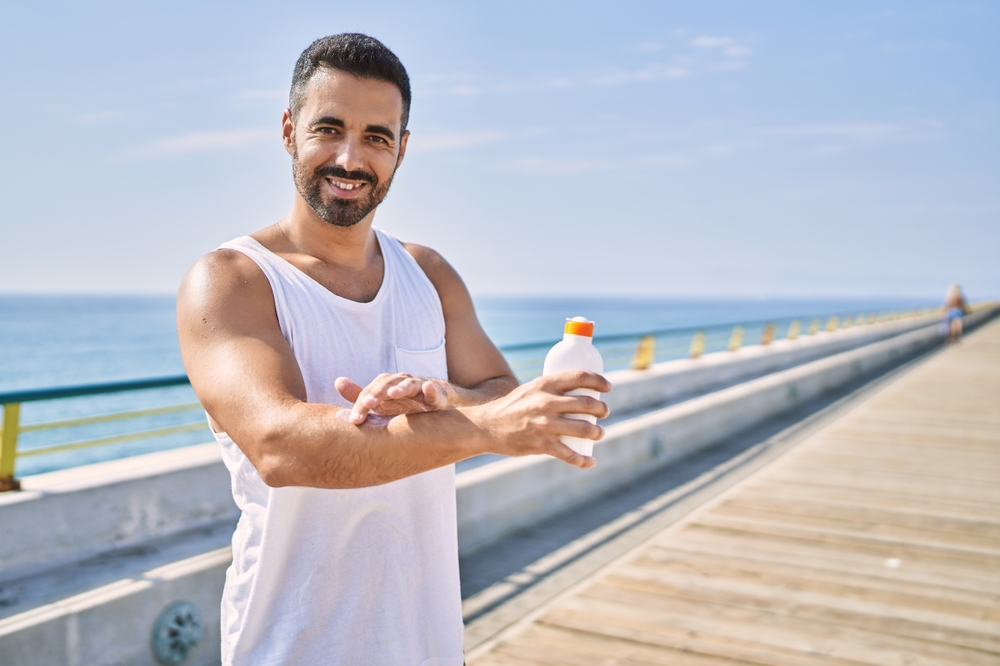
[[499, 498], [73, 514], [113, 624], [666, 382]]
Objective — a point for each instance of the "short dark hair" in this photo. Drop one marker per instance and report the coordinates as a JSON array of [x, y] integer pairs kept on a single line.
[[363, 56]]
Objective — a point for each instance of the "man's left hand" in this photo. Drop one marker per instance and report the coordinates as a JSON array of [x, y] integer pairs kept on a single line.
[[390, 395]]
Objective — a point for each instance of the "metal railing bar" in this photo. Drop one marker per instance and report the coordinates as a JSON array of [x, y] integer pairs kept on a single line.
[[118, 416], [681, 331], [112, 440], [91, 389]]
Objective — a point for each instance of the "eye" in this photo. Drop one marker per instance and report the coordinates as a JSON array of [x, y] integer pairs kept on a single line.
[[329, 131], [378, 139]]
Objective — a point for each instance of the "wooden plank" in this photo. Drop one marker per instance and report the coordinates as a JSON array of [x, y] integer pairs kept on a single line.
[[555, 645], [766, 628], [809, 601], [922, 596]]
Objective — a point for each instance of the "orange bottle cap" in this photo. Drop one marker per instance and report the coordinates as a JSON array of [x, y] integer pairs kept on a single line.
[[580, 326]]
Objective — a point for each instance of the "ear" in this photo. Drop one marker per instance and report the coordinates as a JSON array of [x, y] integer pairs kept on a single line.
[[402, 147], [288, 131]]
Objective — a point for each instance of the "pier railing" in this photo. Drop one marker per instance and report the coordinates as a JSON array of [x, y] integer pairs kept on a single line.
[[160, 422]]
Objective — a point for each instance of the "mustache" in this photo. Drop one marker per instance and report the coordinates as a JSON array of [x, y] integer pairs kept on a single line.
[[341, 172]]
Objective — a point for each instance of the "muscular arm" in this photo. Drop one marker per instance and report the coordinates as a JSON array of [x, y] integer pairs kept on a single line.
[[247, 378]]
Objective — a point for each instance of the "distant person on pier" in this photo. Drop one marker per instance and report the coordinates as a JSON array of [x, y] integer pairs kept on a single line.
[[954, 309], [344, 373]]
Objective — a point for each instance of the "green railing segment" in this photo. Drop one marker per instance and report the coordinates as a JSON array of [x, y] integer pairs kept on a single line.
[[619, 351]]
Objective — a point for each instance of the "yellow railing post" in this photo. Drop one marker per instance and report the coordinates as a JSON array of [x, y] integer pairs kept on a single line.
[[832, 323], [794, 329], [814, 326], [698, 344], [645, 353], [768, 335], [8, 446], [736, 339]]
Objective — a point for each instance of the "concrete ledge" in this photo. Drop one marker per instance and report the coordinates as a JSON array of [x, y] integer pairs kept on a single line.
[[72, 514], [113, 624], [496, 499]]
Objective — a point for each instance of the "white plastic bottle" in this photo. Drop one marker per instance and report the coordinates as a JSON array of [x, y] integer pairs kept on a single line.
[[576, 352]]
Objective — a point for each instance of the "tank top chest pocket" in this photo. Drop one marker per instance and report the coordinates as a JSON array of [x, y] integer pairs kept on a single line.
[[428, 363]]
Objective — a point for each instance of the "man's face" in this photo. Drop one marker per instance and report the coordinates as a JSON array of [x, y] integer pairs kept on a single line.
[[346, 145]]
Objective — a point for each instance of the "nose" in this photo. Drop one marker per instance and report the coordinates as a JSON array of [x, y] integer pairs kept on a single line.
[[350, 155]]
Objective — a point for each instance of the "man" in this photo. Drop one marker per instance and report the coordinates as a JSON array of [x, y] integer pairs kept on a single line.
[[317, 346]]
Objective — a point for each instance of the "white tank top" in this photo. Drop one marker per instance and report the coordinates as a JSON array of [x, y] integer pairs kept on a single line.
[[360, 576]]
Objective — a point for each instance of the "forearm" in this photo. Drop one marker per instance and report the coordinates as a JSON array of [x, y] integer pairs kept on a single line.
[[316, 446], [481, 393]]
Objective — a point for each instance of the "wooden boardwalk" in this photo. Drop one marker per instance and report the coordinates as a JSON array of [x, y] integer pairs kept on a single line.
[[875, 541]]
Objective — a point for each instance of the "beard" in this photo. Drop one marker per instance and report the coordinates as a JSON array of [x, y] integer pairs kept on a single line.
[[331, 209]]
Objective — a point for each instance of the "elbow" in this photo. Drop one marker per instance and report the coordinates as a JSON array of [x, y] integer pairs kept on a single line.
[[273, 471], [273, 459]]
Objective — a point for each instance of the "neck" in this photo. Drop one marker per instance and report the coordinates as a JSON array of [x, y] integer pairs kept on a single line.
[[352, 247]]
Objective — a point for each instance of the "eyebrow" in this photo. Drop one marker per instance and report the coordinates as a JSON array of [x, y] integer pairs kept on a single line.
[[371, 129], [328, 120], [381, 129]]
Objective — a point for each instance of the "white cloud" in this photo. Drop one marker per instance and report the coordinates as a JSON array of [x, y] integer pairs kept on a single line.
[[857, 131], [204, 142], [647, 47], [730, 48], [916, 45], [729, 65], [549, 165], [701, 54], [258, 94], [652, 72], [97, 118], [839, 137], [705, 42], [452, 141]]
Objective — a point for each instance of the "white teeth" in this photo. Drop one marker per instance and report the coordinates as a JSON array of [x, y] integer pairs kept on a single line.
[[345, 186]]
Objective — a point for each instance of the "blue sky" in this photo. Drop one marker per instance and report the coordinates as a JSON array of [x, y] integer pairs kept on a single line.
[[706, 149]]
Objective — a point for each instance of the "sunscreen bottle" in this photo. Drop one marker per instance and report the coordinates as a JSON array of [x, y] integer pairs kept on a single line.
[[576, 352]]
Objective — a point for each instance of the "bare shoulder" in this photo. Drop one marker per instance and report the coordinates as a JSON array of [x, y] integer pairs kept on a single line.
[[441, 274], [221, 282], [429, 259]]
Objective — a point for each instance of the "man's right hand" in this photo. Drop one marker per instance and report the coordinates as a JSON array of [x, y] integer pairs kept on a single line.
[[531, 418]]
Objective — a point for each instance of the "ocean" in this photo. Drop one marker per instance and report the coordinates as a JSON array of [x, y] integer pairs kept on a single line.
[[52, 341]]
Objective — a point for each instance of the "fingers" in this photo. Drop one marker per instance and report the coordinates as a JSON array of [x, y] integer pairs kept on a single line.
[[348, 389], [433, 396], [398, 389], [580, 404], [577, 428], [561, 382], [568, 455]]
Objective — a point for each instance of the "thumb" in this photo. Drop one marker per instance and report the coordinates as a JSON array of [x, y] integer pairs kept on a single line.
[[348, 389]]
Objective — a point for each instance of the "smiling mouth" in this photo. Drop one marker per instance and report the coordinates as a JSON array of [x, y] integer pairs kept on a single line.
[[344, 186]]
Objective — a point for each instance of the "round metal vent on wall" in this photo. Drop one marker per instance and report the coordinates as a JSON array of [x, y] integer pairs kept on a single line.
[[176, 631]]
